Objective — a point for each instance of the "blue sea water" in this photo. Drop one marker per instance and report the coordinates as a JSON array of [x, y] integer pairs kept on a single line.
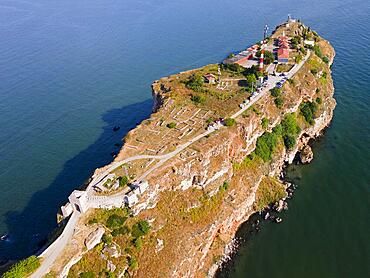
[[71, 70]]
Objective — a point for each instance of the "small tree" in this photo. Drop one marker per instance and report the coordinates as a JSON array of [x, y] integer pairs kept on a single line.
[[198, 99], [171, 125], [195, 82], [279, 102], [229, 122], [251, 80], [138, 242], [123, 181], [140, 228], [325, 59], [275, 92], [264, 123], [268, 57]]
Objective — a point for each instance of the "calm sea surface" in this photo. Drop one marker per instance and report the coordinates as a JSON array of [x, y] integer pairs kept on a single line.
[[71, 70]]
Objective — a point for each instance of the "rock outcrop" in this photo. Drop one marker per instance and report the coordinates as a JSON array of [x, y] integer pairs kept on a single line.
[[306, 155]]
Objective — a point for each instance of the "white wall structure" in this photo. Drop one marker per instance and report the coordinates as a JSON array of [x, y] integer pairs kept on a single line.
[[67, 210], [310, 43], [79, 200], [131, 199]]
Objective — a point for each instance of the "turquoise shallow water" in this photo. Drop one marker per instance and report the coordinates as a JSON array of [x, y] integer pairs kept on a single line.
[[71, 70]]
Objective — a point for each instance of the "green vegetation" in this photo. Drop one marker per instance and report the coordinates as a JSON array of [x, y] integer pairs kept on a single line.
[[251, 80], [295, 41], [288, 130], [123, 181], [198, 99], [266, 145], [224, 186], [264, 123], [314, 71], [318, 100], [269, 191], [138, 242], [229, 122], [115, 221], [87, 274], [121, 231], [291, 81], [195, 82], [231, 55], [171, 125], [268, 57], [279, 102], [275, 92], [308, 110], [133, 263], [325, 59], [23, 268], [141, 228], [107, 238]]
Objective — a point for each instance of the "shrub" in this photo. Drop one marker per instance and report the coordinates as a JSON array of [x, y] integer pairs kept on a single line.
[[233, 67], [314, 71], [230, 55], [290, 130], [133, 264], [107, 239], [140, 228], [123, 181], [317, 51], [266, 145], [138, 242], [229, 122], [318, 100], [308, 110], [325, 59], [289, 125], [115, 221], [198, 99], [289, 141], [23, 268], [264, 123], [291, 81], [171, 125], [195, 82], [317, 90], [88, 274], [121, 231], [224, 186], [279, 102], [275, 92], [92, 221]]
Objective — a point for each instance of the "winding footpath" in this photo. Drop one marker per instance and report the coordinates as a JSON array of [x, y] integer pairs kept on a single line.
[[49, 255]]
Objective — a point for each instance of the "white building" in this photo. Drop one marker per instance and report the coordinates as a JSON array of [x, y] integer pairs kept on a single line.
[[79, 200], [309, 43], [131, 199]]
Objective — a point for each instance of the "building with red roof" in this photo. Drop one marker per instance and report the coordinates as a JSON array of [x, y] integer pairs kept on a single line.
[[283, 55]]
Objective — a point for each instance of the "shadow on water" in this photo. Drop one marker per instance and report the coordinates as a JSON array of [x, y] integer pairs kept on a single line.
[[38, 219]]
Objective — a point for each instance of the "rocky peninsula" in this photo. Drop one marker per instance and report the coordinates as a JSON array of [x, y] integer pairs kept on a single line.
[[209, 156]]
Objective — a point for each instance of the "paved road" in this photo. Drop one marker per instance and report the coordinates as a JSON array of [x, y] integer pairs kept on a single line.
[[54, 250]]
